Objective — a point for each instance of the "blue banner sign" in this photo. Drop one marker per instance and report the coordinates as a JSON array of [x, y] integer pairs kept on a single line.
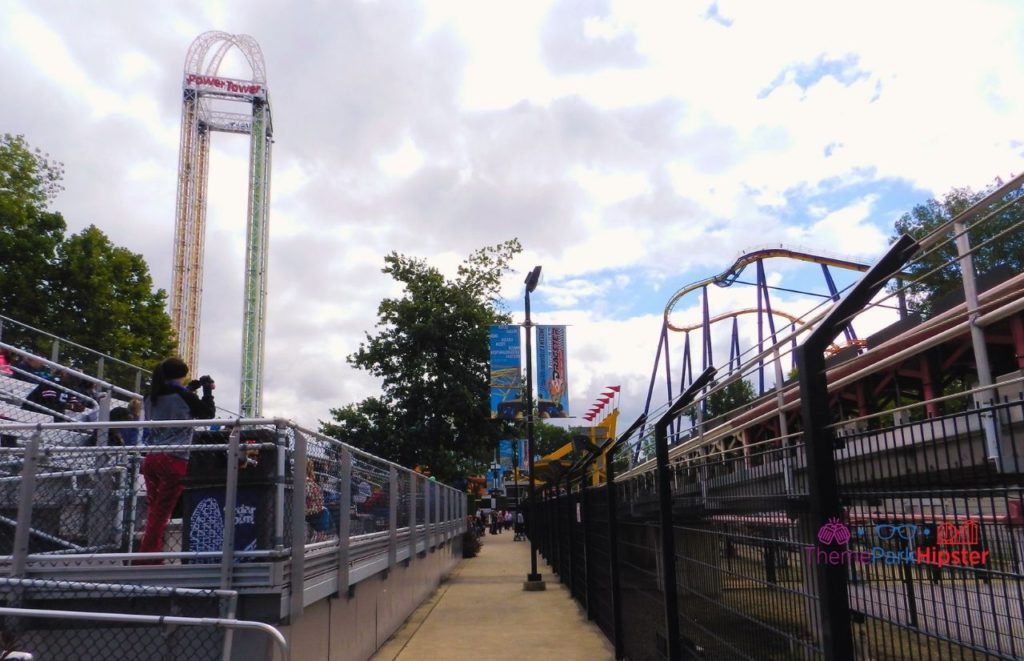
[[511, 451], [552, 382], [506, 379]]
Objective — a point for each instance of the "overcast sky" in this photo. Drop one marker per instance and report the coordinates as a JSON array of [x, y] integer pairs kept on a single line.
[[632, 147]]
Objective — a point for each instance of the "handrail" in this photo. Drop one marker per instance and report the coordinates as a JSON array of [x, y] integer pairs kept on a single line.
[[82, 376], [99, 354], [159, 620]]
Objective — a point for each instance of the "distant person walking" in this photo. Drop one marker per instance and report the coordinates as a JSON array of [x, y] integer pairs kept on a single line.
[[169, 399]]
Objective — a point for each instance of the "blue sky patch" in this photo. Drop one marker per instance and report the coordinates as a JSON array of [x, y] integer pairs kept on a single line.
[[714, 15], [808, 74]]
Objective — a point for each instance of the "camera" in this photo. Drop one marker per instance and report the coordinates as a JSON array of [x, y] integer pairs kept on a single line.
[[206, 382]]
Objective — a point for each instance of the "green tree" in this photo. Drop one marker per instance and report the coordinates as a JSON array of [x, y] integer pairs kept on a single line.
[[995, 235], [728, 399], [431, 353], [106, 301], [83, 287], [29, 232], [367, 425], [549, 438]]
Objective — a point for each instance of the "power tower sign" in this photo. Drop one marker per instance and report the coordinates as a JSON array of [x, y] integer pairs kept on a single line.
[[206, 108]]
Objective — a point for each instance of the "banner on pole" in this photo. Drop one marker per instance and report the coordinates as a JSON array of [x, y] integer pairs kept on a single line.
[[552, 382], [511, 451], [506, 379]]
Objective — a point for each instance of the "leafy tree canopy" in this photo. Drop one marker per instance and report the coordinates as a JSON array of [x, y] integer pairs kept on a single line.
[[431, 353], [994, 235], [729, 398], [29, 231], [549, 438], [82, 287]]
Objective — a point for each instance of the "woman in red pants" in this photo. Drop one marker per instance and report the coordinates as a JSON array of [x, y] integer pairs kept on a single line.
[[169, 399]]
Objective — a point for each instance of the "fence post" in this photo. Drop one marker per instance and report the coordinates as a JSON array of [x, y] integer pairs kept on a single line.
[[588, 571], [437, 537], [344, 518], [446, 510], [392, 517], [281, 478], [673, 642], [298, 556], [570, 524], [230, 506], [820, 443], [55, 352], [613, 550], [26, 496], [556, 533], [413, 530]]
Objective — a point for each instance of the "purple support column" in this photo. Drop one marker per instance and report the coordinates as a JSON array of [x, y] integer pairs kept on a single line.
[[687, 367], [734, 345], [762, 287], [792, 330], [848, 331], [650, 388], [668, 374], [708, 359]]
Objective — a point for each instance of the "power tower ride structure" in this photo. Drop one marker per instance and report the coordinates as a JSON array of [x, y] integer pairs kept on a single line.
[[206, 100]]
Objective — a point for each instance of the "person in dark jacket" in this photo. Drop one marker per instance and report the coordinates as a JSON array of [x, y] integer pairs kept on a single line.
[[169, 399], [47, 398]]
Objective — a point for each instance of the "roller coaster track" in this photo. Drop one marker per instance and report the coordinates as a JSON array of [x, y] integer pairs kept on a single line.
[[834, 348], [736, 313], [729, 276]]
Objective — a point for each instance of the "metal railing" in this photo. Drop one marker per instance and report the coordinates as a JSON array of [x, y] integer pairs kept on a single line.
[[71, 634], [71, 354], [267, 505], [919, 582]]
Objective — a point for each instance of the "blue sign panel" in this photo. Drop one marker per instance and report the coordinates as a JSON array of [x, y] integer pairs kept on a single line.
[[506, 379], [552, 382]]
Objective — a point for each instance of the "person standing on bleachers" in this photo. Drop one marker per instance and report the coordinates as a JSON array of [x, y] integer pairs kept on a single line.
[[134, 436], [47, 398], [169, 399]]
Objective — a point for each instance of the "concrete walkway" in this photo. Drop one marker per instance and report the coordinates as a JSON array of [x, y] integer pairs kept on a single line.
[[482, 612]]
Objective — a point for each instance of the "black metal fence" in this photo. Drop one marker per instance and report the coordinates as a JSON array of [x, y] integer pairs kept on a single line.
[[930, 544]]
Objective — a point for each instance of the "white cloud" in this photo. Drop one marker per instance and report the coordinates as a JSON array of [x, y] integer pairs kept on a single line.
[[630, 145]]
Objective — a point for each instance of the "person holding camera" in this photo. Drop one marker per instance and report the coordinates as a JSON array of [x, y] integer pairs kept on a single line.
[[170, 399]]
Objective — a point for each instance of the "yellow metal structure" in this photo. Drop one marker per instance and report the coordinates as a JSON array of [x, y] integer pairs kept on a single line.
[[600, 433]]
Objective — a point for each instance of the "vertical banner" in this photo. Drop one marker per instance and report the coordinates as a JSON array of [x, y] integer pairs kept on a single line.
[[506, 379], [509, 451], [552, 383]]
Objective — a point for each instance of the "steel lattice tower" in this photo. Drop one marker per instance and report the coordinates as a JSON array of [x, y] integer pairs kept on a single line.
[[203, 89]]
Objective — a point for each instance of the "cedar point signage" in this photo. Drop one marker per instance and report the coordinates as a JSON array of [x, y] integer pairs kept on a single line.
[[953, 546]]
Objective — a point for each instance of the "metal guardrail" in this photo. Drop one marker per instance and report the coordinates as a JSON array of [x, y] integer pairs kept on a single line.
[[135, 640], [129, 376], [267, 506]]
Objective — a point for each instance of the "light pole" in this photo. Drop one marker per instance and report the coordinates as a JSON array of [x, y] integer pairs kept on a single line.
[[515, 471], [533, 579]]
